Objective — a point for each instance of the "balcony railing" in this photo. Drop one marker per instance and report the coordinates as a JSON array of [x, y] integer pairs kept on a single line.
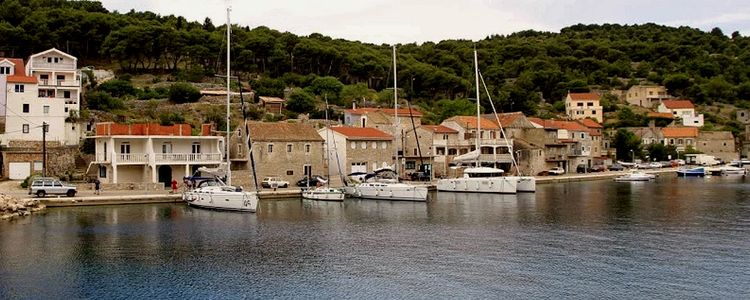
[[67, 83], [132, 158], [188, 157], [495, 157]]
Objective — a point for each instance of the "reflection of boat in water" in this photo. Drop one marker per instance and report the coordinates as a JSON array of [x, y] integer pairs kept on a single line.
[[691, 172], [636, 176]]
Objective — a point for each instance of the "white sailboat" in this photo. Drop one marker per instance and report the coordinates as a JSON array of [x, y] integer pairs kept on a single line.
[[325, 192], [479, 179], [391, 189], [215, 193]]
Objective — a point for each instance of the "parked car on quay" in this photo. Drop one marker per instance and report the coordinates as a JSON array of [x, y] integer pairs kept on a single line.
[[42, 186], [556, 171], [311, 181], [274, 182], [583, 169], [616, 167], [598, 168]]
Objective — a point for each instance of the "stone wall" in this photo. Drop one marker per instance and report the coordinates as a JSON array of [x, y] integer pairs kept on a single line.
[[60, 159], [287, 165]]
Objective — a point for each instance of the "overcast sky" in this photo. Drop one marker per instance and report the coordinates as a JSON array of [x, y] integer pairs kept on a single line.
[[404, 21]]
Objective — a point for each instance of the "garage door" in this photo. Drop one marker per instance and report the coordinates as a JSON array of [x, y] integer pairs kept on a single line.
[[359, 167], [19, 170]]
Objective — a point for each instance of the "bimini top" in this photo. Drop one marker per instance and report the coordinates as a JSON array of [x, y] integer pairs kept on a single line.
[[483, 170], [213, 171]]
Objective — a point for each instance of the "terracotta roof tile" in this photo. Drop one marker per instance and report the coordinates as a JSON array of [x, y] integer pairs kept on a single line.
[[439, 129], [19, 72], [404, 112], [362, 133], [657, 115], [282, 131], [679, 132], [590, 123], [584, 96], [678, 104], [470, 122]]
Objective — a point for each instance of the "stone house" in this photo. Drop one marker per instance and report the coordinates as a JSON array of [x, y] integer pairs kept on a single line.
[[683, 110], [680, 137], [152, 153], [494, 150], [576, 136], [418, 149], [584, 105], [20, 159], [287, 150], [646, 96], [719, 144], [597, 137], [358, 149]]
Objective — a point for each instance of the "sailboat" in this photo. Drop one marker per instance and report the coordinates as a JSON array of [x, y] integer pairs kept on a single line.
[[391, 189], [478, 179], [212, 192], [325, 192]]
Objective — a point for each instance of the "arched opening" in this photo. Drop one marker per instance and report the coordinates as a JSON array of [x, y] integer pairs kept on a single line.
[[165, 175]]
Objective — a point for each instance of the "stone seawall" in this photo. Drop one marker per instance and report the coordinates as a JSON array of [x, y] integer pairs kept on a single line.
[[10, 207]]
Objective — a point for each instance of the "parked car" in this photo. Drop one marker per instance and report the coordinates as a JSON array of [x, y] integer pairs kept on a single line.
[[274, 182], [419, 176], [556, 171], [583, 169], [655, 165], [598, 168], [311, 181], [616, 167], [43, 186]]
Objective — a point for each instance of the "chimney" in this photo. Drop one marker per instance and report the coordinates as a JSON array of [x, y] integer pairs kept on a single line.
[[354, 105], [206, 129]]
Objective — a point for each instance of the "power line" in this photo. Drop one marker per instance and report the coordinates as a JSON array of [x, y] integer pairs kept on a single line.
[[20, 116]]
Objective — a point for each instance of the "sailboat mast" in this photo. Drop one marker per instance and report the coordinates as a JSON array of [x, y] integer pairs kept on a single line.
[[226, 142], [395, 108], [479, 126], [328, 147]]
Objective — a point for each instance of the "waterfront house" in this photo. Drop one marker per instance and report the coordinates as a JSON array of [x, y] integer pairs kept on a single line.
[[417, 154], [683, 110], [648, 135], [646, 95], [597, 137], [720, 144], [444, 145], [137, 154], [274, 105], [584, 105], [358, 149], [680, 137], [575, 139], [528, 140], [284, 149], [494, 150]]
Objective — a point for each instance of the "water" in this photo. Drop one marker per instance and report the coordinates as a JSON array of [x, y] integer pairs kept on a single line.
[[676, 238]]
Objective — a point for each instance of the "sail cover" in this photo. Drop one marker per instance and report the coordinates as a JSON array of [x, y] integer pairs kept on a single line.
[[468, 157]]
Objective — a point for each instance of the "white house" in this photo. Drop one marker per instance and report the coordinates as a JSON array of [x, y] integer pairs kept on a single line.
[[646, 95], [584, 105], [682, 109], [151, 153], [46, 90]]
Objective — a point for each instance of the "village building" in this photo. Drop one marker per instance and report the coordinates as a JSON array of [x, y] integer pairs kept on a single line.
[[648, 135], [280, 149], [719, 144], [680, 137], [528, 147], [683, 110], [43, 91], [577, 141], [136, 154], [358, 149], [646, 96], [584, 105], [494, 150], [383, 118], [274, 105], [418, 150], [597, 137], [444, 141]]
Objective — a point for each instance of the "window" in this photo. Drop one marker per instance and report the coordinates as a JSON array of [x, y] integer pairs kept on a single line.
[[410, 165], [270, 148], [239, 150], [49, 59], [593, 112], [415, 151], [307, 170], [125, 148], [66, 94], [25, 108], [583, 136], [102, 172], [363, 145], [56, 59], [196, 148], [166, 148], [5, 70], [353, 145], [19, 88], [590, 104], [440, 151], [307, 148], [445, 136], [46, 109], [60, 78], [383, 145], [374, 145], [25, 128], [289, 172], [288, 148], [38, 166], [580, 104]]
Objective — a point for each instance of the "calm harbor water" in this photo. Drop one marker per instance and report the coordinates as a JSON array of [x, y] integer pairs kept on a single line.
[[676, 238]]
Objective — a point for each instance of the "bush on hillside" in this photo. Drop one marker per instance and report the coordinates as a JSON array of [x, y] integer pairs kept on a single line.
[[117, 87], [183, 93], [103, 101]]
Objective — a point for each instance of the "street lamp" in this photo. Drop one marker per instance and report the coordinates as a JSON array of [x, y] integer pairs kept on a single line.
[[632, 155]]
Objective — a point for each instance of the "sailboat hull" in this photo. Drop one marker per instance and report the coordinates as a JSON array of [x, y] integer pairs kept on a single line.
[[497, 185], [391, 191], [526, 184], [222, 200], [324, 194]]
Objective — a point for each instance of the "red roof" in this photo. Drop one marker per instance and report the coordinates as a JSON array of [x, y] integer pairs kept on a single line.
[[111, 129], [679, 132], [678, 104], [658, 115], [470, 122], [555, 124], [19, 72], [362, 133], [584, 96], [389, 111], [590, 123], [439, 129]]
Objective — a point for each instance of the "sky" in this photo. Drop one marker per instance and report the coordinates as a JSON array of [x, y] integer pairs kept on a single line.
[[406, 21]]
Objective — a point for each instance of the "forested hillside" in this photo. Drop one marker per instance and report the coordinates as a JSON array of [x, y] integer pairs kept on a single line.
[[519, 68]]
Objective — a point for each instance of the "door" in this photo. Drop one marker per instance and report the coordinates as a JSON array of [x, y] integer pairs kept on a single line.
[[196, 151], [307, 169], [359, 167], [165, 175], [19, 170]]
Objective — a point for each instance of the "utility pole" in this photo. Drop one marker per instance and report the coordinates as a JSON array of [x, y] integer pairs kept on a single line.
[[44, 148]]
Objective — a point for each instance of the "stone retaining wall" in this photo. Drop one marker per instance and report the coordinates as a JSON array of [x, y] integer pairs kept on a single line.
[[11, 207]]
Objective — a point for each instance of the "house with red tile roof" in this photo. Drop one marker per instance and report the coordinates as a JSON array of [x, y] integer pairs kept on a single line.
[[584, 105], [597, 138], [358, 149], [576, 137], [680, 137], [684, 110], [494, 149], [382, 118]]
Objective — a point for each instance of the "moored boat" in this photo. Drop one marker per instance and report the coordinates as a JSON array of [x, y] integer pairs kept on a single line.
[[692, 172], [480, 180], [636, 176], [213, 193]]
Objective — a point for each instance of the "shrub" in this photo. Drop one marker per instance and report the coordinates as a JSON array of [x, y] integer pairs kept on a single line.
[[117, 87], [171, 119], [183, 93], [103, 101]]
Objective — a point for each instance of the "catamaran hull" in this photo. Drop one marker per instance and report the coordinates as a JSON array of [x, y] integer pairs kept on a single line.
[[325, 194], [526, 184], [239, 201], [396, 192], [497, 185]]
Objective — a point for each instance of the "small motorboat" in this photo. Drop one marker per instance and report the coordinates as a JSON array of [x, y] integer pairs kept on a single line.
[[692, 172], [323, 193], [636, 176]]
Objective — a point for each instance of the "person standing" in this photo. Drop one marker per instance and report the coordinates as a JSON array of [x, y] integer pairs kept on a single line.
[[174, 186], [97, 186]]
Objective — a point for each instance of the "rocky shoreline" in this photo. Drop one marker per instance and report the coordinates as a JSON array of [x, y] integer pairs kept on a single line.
[[10, 207]]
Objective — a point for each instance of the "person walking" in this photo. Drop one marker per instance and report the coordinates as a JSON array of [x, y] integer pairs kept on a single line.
[[174, 186], [97, 186]]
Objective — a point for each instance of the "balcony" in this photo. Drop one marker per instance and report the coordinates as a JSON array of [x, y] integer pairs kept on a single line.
[[501, 158], [63, 83], [132, 158], [188, 157]]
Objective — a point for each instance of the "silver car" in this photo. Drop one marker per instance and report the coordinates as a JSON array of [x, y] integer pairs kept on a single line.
[[51, 186]]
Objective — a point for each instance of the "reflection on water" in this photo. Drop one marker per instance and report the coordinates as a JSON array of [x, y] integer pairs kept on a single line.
[[675, 237]]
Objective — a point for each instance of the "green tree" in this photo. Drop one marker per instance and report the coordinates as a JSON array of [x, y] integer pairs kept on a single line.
[[183, 93], [103, 101], [625, 142], [357, 93], [301, 101], [327, 86], [117, 87]]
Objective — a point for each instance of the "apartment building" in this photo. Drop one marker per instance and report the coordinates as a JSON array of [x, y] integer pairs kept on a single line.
[[584, 105]]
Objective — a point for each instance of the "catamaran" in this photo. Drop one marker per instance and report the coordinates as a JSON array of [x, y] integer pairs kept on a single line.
[[216, 193], [479, 179]]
